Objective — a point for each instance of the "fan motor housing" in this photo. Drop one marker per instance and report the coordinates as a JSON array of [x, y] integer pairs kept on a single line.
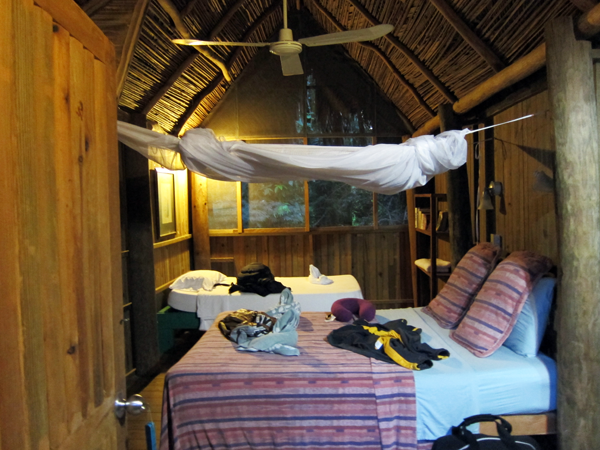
[[285, 48], [286, 44]]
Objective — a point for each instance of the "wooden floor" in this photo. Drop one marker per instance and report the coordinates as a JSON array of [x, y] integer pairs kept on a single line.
[[152, 390], [136, 438]]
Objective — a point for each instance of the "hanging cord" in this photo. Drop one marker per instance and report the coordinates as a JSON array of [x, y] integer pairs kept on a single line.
[[503, 123], [510, 121]]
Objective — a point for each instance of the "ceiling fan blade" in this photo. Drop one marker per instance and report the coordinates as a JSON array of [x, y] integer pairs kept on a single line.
[[343, 37], [291, 65], [231, 44]]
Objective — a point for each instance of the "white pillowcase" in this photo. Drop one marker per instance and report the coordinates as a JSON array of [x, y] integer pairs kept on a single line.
[[198, 279], [526, 336]]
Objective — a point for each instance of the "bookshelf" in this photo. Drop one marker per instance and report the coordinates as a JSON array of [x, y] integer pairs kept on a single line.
[[427, 213]]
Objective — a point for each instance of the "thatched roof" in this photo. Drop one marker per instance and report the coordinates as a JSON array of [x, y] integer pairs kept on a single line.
[[439, 51]]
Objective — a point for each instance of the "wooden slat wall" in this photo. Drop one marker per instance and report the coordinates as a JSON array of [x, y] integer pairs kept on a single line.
[[379, 260], [61, 352], [171, 261], [525, 217], [527, 221]]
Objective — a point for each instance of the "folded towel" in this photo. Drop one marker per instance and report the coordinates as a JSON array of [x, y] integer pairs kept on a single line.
[[425, 264], [315, 276]]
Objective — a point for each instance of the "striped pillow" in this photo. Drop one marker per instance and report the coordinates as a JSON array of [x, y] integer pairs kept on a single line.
[[493, 314], [453, 301]]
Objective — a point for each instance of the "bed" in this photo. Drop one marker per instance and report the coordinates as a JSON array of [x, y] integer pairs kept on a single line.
[[217, 397], [312, 297]]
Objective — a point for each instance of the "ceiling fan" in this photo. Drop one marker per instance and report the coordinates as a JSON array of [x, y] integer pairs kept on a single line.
[[288, 50]]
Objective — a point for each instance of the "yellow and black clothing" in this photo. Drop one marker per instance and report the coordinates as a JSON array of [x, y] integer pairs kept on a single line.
[[393, 342]]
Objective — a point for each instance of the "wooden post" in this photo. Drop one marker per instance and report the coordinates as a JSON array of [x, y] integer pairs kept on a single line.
[[200, 221], [140, 266], [571, 85], [459, 203]]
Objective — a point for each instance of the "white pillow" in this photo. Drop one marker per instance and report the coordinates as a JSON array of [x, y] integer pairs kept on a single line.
[[198, 279]]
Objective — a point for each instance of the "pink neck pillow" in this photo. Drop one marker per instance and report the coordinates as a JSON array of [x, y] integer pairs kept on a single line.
[[345, 309]]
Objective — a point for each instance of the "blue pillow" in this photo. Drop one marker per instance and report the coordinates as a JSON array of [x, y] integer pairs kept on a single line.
[[527, 334]]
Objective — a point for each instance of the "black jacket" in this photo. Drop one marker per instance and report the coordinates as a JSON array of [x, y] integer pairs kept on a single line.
[[394, 342]]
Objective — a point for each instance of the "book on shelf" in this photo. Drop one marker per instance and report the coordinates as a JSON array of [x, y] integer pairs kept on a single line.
[[422, 218]]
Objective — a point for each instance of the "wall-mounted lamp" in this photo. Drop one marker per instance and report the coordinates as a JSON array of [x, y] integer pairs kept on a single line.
[[494, 189]]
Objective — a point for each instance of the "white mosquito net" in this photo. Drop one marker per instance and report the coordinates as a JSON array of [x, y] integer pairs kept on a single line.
[[382, 168]]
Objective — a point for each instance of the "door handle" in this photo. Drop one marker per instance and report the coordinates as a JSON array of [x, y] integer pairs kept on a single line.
[[133, 405]]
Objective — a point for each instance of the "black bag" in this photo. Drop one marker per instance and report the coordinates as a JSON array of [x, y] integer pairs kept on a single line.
[[256, 278], [463, 439]]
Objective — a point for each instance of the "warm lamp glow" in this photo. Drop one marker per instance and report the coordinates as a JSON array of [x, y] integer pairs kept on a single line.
[[494, 189]]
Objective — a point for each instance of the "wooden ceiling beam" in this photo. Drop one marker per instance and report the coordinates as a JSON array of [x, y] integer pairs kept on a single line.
[[255, 26], [226, 18], [188, 8], [588, 24], [408, 53], [131, 39], [197, 100], [177, 18], [169, 83], [584, 5], [195, 103], [520, 69], [93, 6], [190, 59], [468, 35], [383, 57]]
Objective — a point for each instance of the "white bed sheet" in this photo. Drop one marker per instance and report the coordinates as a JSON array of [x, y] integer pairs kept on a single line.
[[464, 385], [312, 297]]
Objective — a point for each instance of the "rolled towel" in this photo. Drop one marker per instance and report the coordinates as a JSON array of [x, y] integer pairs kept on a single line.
[[316, 277], [425, 264]]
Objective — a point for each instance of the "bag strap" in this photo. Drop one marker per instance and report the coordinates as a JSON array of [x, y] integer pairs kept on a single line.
[[504, 429]]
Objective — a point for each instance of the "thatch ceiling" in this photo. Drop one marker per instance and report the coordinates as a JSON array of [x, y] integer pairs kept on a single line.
[[438, 52]]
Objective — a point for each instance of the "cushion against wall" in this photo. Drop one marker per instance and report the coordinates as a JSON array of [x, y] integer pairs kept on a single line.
[[453, 301], [528, 332], [198, 279], [495, 310]]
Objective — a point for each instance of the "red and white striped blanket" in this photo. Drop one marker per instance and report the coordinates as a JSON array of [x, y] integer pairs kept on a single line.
[[326, 398]]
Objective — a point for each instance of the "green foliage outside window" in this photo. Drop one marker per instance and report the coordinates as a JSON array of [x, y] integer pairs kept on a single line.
[[273, 205]]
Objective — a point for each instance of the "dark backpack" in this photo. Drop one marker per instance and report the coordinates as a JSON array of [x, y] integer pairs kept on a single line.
[[257, 278]]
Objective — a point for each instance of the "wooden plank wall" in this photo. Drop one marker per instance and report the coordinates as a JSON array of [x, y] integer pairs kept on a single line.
[[379, 260], [61, 352], [170, 262], [526, 220], [524, 216]]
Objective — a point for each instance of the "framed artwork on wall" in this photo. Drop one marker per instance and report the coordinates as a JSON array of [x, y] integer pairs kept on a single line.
[[165, 196]]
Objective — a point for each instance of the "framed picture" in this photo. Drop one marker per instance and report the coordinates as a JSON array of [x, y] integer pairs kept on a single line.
[[165, 190]]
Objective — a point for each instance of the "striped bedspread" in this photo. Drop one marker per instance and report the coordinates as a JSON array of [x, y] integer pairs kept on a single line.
[[326, 398]]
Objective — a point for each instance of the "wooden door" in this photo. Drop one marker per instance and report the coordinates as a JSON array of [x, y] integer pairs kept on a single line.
[[61, 344]]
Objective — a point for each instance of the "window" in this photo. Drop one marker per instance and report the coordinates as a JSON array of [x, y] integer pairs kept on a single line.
[[222, 205], [273, 205], [303, 205], [338, 204]]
